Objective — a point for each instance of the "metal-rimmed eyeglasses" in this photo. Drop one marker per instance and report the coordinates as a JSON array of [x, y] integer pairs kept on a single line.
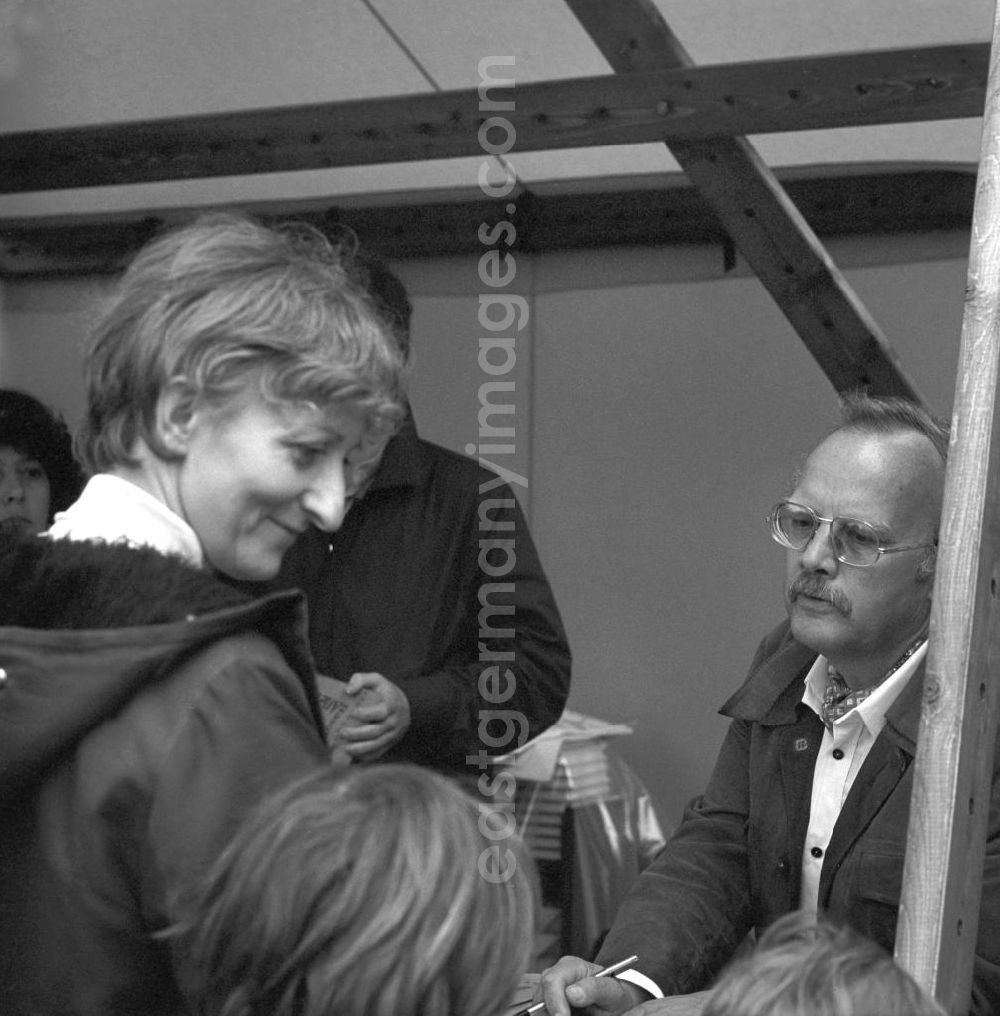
[[854, 542]]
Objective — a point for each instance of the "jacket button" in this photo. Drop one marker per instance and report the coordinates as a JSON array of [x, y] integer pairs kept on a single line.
[[782, 866]]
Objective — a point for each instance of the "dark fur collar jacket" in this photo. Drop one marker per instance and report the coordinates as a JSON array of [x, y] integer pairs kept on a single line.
[[82, 585], [85, 626]]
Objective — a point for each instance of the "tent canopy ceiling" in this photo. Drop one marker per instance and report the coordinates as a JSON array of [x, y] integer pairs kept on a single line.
[[248, 98], [105, 62]]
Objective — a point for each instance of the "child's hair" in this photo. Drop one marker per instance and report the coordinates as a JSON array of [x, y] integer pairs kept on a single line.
[[802, 967], [228, 303], [378, 891]]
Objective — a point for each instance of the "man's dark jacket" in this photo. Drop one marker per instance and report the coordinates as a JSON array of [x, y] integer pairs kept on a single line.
[[417, 586], [735, 862]]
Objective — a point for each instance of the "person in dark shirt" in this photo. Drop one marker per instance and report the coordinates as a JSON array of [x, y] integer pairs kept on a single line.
[[457, 639]]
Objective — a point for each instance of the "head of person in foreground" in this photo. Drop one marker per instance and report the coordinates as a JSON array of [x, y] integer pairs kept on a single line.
[[801, 966], [382, 891]]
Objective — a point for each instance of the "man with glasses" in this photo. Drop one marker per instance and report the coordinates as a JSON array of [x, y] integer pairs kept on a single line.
[[808, 805]]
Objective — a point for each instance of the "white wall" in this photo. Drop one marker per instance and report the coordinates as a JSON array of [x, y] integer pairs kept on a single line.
[[662, 406], [41, 329]]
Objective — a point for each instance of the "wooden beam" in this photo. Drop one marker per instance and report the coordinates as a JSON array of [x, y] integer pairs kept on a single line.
[[655, 103], [951, 803], [764, 224], [846, 200]]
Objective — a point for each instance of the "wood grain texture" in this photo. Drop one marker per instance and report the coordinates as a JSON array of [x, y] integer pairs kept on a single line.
[[658, 103], [763, 222], [843, 201], [942, 880]]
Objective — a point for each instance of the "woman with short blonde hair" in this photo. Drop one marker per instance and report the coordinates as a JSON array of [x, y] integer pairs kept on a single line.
[[147, 705]]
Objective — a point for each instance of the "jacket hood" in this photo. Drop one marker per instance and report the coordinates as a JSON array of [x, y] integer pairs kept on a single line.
[[84, 626]]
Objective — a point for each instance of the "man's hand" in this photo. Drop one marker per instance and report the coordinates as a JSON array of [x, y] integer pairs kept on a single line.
[[373, 728], [571, 983]]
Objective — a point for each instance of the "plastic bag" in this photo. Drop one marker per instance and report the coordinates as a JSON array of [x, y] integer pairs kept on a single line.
[[592, 829]]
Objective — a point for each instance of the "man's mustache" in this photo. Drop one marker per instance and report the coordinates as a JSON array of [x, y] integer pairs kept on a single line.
[[820, 589]]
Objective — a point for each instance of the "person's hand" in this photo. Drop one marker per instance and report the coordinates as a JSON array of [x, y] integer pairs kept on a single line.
[[571, 984], [375, 725], [675, 1005]]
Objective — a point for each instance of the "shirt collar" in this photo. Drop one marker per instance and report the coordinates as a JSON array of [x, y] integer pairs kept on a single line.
[[872, 711], [114, 510]]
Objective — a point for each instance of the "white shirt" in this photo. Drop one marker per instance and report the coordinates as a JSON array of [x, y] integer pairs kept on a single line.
[[113, 510], [841, 754]]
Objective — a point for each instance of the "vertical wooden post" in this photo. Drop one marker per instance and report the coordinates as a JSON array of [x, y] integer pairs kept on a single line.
[[942, 878]]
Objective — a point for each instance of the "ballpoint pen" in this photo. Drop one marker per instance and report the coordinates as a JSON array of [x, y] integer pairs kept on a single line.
[[611, 969]]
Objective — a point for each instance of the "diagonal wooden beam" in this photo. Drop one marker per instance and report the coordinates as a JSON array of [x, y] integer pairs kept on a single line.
[[764, 224], [659, 103]]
